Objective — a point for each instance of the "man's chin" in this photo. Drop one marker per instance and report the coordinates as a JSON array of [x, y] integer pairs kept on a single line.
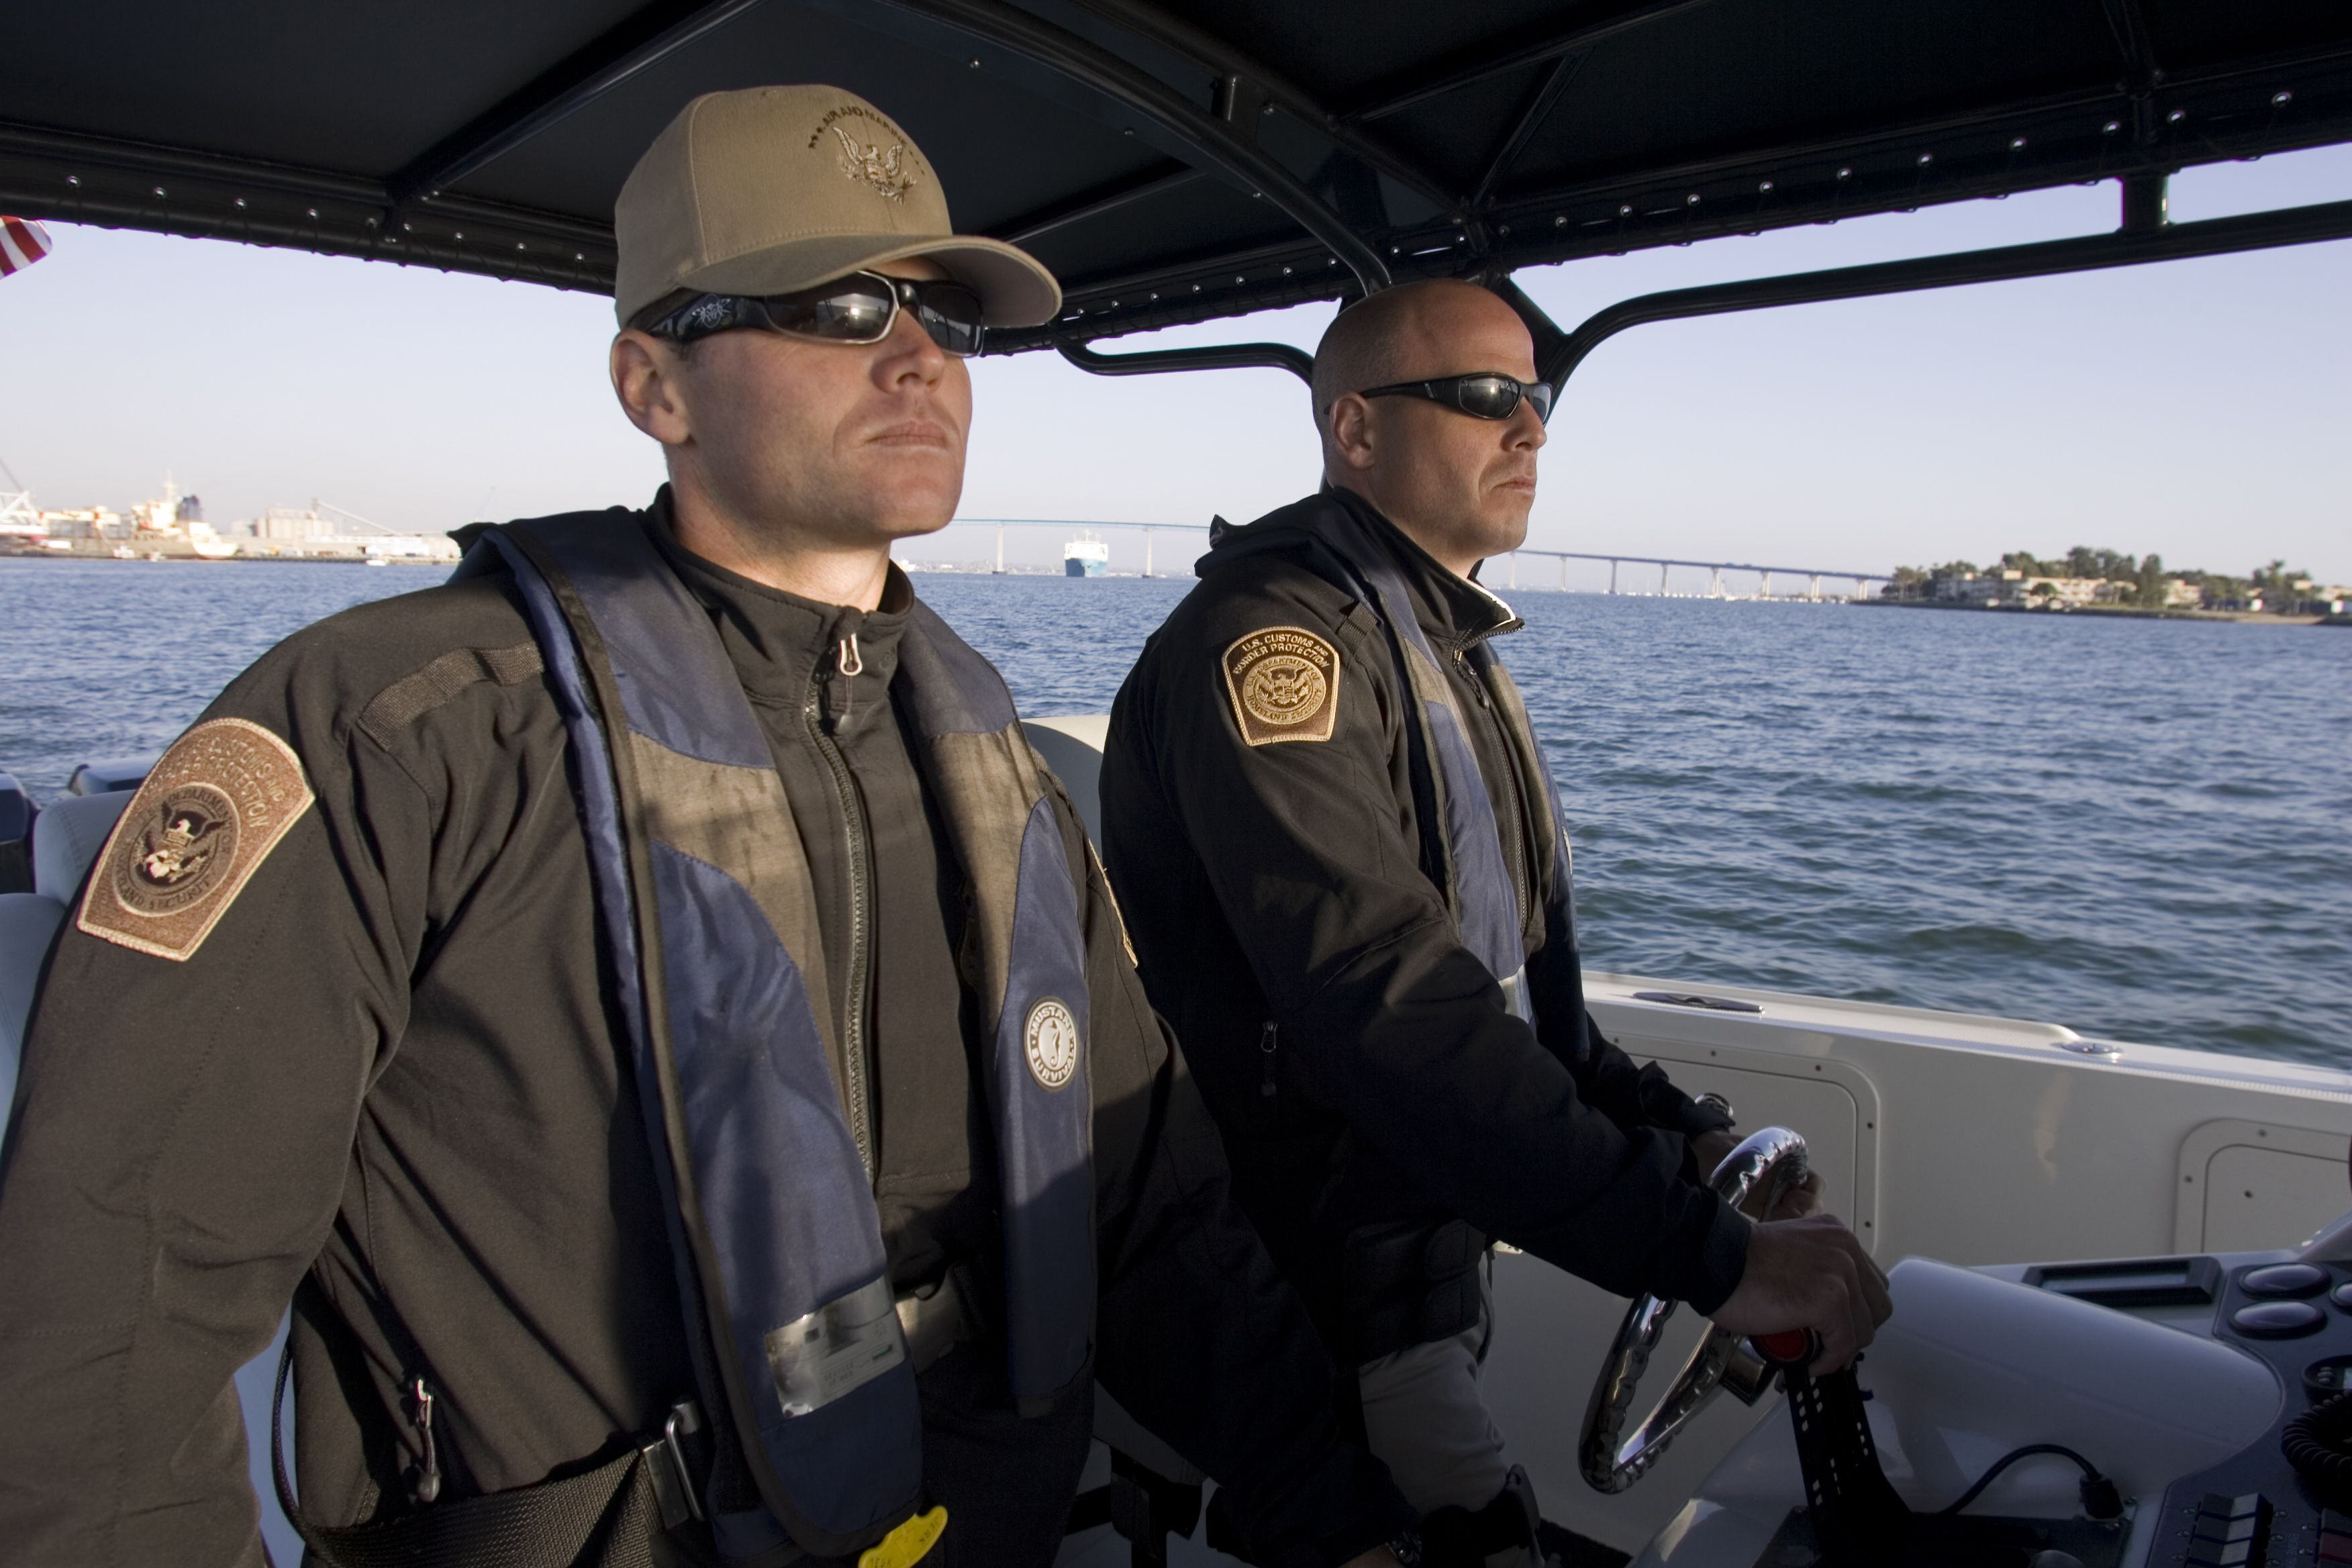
[[1508, 536], [911, 512], [914, 522]]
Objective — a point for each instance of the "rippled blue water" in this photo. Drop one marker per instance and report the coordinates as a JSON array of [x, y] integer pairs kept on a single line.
[[2142, 829]]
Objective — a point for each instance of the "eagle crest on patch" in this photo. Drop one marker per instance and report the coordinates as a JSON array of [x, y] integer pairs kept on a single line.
[[212, 810], [870, 165], [1285, 685]]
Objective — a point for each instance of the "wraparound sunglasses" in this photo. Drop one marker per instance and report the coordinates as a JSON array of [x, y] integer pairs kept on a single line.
[[861, 308], [1483, 394]]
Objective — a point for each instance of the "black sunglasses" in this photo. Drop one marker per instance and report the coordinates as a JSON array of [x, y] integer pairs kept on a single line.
[[860, 308], [1484, 395]]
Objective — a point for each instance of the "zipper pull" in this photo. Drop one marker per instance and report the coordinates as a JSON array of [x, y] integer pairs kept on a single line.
[[428, 1468], [847, 663], [1265, 1087]]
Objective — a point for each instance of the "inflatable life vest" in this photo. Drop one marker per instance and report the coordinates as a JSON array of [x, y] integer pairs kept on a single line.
[[706, 906]]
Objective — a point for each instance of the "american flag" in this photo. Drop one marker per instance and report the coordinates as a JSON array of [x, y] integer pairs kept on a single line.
[[22, 243]]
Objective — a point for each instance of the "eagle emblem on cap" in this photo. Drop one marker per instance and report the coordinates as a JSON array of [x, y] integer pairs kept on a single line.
[[870, 165]]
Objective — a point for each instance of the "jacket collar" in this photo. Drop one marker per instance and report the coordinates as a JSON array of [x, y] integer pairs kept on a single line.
[[1455, 613], [779, 641]]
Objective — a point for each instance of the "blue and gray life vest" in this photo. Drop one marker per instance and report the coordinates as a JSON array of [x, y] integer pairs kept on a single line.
[[706, 906]]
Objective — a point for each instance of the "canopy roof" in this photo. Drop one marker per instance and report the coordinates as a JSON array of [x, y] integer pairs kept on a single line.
[[1171, 163]]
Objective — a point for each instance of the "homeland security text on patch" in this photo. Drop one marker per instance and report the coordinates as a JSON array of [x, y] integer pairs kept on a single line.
[[1285, 685]]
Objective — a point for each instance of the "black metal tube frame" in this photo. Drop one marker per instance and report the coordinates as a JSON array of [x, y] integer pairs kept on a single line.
[[1445, 77], [1225, 356], [1221, 57], [643, 40], [1096, 68], [2128, 248]]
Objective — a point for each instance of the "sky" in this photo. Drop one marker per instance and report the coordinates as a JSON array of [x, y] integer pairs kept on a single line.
[[2197, 409]]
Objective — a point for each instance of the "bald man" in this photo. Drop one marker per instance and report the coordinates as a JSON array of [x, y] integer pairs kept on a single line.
[[1341, 858]]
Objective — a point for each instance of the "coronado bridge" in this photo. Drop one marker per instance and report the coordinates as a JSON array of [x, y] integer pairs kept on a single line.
[[1716, 588]]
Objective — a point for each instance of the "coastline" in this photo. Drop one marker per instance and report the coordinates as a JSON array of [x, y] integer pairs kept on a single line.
[[158, 554], [2104, 611]]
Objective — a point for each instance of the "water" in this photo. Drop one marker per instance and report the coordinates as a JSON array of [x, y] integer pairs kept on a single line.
[[2137, 828]]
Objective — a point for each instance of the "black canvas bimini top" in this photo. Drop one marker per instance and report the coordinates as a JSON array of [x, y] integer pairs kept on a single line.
[[1196, 159]]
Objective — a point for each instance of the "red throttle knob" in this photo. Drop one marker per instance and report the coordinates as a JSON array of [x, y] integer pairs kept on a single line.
[[1789, 1347]]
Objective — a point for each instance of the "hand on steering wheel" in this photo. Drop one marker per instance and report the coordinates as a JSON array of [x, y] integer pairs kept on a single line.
[[1794, 1201], [1809, 1273], [1756, 1177]]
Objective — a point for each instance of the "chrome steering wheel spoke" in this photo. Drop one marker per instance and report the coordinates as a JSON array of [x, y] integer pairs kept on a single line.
[[1751, 1179]]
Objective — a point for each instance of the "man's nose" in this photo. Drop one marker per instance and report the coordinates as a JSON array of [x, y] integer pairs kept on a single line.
[[909, 353]]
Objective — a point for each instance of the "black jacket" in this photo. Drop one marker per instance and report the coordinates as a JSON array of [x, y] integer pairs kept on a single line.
[[393, 1071], [1370, 1083]]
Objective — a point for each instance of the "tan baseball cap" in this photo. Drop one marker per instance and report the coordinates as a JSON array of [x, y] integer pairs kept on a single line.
[[771, 189]]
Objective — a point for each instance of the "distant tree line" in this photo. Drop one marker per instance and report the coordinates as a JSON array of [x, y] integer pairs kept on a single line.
[[2138, 580]]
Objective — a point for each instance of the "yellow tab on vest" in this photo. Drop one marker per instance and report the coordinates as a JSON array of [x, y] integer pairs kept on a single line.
[[1285, 685], [214, 808], [907, 1545]]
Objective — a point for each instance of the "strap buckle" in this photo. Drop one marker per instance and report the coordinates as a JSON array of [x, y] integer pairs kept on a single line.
[[665, 1460]]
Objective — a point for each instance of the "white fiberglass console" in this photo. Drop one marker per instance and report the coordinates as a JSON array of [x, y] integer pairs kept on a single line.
[[2172, 1376]]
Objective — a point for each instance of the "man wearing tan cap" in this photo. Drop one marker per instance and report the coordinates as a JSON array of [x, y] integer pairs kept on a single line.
[[651, 1010]]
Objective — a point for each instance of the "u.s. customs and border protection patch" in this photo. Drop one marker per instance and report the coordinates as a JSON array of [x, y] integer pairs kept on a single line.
[[211, 811], [1284, 683]]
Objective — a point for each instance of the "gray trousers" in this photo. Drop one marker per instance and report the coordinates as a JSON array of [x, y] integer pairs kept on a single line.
[[1425, 1418]]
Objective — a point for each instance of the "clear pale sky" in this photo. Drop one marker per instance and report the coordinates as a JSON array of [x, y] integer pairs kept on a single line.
[[2198, 409]]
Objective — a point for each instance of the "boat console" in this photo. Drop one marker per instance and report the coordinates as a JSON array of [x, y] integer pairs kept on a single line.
[[2153, 1392]]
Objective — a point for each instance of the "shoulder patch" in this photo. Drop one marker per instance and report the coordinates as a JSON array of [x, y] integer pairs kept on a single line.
[[211, 811], [1051, 1038], [1285, 685]]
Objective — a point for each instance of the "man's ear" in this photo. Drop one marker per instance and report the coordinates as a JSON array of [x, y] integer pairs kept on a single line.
[[1351, 438], [648, 379]]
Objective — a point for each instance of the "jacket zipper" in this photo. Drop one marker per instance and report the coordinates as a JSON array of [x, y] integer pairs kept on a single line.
[[1266, 1044], [856, 1085], [428, 1462]]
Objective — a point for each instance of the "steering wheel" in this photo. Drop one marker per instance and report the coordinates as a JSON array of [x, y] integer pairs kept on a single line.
[[1751, 1178]]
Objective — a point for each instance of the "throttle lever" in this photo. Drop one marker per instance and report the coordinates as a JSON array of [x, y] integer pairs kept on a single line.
[[1788, 1348], [1858, 1520]]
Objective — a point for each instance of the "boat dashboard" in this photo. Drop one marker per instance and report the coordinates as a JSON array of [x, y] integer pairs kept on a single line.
[[2174, 1378]]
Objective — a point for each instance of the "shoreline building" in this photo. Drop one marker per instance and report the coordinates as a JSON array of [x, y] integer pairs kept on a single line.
[[2004, 586], [172, 527], [291, 534]]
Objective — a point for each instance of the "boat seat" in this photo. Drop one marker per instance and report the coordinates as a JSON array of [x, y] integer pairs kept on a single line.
[[66, 837], [17, 814], [109, 777], [27, 922], [1073, 748]]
